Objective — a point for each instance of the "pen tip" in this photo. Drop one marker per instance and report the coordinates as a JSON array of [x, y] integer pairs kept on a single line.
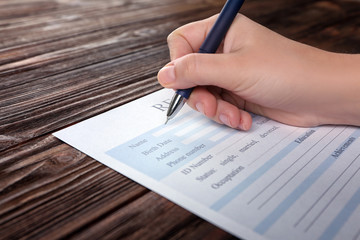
[[167, 119]]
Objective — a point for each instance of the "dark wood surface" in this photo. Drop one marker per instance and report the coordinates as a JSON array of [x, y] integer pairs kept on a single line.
[[63, 61]]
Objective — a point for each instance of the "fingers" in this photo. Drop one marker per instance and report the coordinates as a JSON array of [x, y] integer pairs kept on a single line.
[[219, 110], [188, 38], [203, 69], [189, 69]]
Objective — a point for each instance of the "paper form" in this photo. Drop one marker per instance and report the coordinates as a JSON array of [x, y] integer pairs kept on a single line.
[[272, 182]]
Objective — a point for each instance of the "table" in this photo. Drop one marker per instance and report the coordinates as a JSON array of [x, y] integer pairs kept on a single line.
[[64, 61]]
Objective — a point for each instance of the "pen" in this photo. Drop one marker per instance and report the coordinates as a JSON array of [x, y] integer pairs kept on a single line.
[[210, 45]]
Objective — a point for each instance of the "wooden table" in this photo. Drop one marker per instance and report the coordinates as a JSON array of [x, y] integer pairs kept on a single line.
[[63, 61]]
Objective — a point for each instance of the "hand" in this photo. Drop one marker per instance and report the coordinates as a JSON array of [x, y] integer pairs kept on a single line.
[[260, 71]]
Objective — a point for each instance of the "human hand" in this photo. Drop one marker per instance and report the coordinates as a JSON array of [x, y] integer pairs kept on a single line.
[[260, 71]]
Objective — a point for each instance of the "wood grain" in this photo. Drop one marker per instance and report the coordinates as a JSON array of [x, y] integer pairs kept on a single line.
[[64, 61]]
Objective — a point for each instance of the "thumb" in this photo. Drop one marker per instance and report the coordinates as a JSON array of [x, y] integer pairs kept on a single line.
[[199, 69]]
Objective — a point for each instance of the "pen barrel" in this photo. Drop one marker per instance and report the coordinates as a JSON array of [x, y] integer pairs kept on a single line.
[[185, 92], [217, 33], [221, 26]]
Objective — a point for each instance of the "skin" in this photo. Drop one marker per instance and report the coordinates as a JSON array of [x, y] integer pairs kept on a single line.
[[257, 70]]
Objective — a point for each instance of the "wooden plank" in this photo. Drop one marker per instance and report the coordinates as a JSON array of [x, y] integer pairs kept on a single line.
[[58, 186], [64, 61], [50, 190], [40, 70], [102, 62]]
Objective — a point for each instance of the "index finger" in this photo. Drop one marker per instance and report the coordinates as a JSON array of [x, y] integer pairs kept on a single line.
[[188, 38]]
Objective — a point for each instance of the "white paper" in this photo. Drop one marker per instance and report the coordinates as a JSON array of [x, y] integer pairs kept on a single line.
[[272, 182]]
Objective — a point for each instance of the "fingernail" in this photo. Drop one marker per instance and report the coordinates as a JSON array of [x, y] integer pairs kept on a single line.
[[243, 126], [224, 119], [167, 74], [200, 107]]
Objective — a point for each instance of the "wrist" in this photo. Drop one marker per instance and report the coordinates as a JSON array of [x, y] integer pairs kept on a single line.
[[341, 86]]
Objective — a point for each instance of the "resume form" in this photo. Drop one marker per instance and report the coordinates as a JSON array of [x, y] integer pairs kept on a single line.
[[271, 182]]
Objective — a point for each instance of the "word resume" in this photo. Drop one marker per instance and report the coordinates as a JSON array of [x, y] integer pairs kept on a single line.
[[271, 182]]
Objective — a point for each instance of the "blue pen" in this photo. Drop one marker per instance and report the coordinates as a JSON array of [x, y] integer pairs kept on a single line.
[[210, 45]]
